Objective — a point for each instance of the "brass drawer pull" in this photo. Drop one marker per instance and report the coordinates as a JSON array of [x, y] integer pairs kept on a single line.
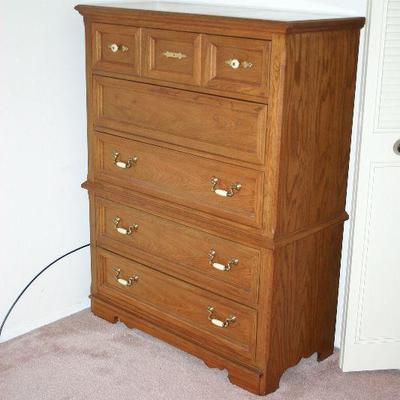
[[122, 164], [125, 282], [172, 54], [114, 47], [217, 322], [124, 231], [224, 192], [234, 63], [218, 266]]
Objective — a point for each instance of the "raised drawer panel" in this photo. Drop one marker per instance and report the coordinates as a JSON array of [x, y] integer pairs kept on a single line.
[[178, 304], [230, 128], [181, 178], [116, 48], [233, 270], [236, 65], [171, 56]]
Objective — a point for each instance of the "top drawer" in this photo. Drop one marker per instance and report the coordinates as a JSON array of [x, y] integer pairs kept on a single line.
[[171, 56], [228, 65], [236, 65], [116, 48]]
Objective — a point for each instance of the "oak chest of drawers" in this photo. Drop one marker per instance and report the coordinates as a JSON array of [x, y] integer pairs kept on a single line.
[[218, 158]]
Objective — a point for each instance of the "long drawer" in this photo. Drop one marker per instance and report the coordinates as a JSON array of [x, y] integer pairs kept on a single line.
[[222, 266], [231, 128], [212, 321], [221, 189]]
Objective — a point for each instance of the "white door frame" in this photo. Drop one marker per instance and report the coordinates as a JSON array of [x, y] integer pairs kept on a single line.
[[348, 327]]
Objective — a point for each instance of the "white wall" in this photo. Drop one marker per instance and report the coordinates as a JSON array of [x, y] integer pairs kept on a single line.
[[44, 211]]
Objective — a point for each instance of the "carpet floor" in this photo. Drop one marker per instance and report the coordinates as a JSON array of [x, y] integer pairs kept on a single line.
[[83, 357]]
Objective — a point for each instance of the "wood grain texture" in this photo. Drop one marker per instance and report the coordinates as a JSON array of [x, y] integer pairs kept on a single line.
[[236, 27], [185, 124], [178, 305], [304, 300], [158, 60], [243, 375], [163, 173], [215, 225], [182, 252], [316, 130], [123, 61], [231, 128], [274, 128], [251, 76], [178, 85]]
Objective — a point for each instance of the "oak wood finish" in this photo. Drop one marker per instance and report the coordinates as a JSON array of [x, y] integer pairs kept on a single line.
[[186, 122], [179, 305], [319, 147], [239, 374], [250, 74], [230, 128], [183, 251], [171, 56], [163, 173], [242, 234], [126, 59], [219, 25], [305, 282]]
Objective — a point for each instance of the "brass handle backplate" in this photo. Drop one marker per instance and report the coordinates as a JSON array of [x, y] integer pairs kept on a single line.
[[125, 282], [114, 47], [122, 164], [217, 322], [173, 54], [234, 63], [125, 231], [218, 266], [224, 192]]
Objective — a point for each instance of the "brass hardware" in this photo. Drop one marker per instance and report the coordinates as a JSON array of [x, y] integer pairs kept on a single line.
[[246, 64], [122, 164], [172, 54], [217, 322], [114, 47], [125, 231], [125, 282], [234, 63], [218, 266], [224, 192]]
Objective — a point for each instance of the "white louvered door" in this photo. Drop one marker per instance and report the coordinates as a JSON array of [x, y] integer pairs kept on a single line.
[[371, 335]]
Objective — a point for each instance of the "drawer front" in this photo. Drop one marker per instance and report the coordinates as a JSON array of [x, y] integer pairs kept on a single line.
[[230, 128], [116, 48], [224, 190], [236, 65], [179, 305], [222, 266], [171, 56]]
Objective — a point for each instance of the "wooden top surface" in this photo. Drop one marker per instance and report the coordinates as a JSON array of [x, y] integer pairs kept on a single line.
[[259, 18], [220, 10]]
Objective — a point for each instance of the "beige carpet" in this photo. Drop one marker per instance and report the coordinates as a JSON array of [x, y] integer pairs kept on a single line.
[[83, 357]]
